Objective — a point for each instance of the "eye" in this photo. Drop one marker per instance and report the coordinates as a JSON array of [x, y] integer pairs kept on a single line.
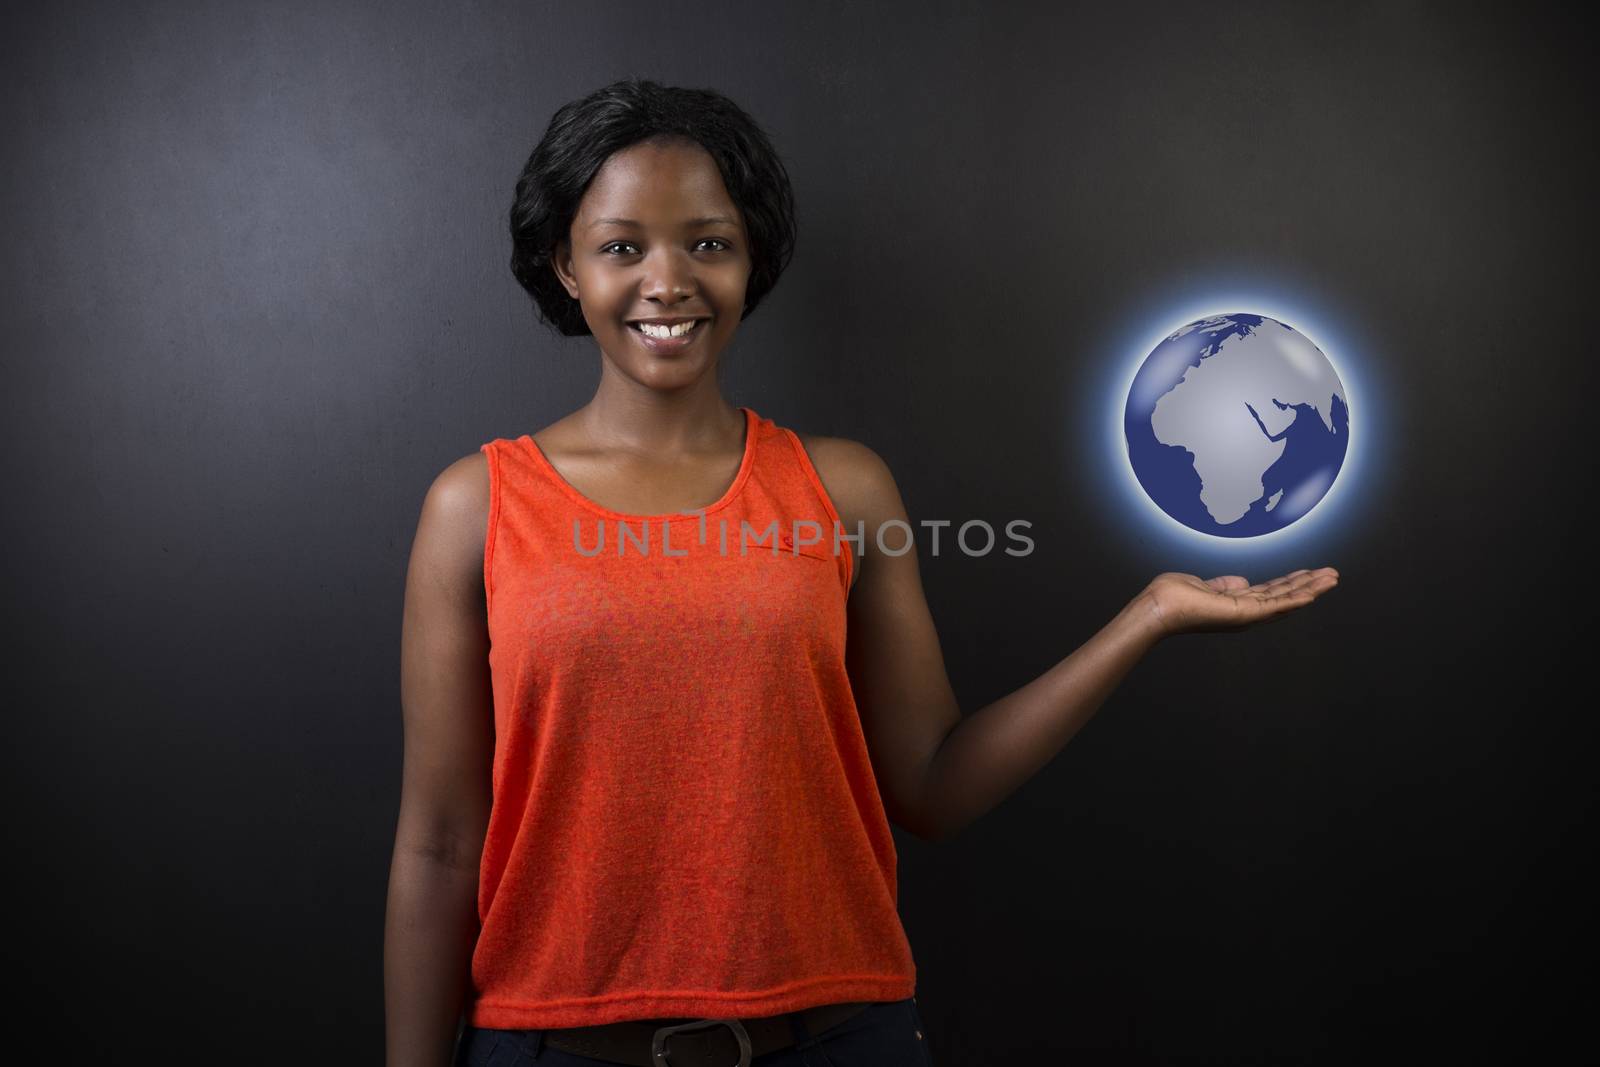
[[724, 246]]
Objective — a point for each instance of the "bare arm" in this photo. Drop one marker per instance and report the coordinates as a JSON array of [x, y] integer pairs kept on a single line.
[[937, 770], [987, 756], [991, 752], [431, 922]]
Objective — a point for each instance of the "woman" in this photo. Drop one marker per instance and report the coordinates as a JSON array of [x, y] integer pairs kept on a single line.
[[664, 685]]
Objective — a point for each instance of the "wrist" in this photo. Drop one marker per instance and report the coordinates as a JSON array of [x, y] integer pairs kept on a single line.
[[1144, 615]]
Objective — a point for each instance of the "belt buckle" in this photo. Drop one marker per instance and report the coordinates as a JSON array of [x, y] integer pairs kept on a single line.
[[658, 1051]]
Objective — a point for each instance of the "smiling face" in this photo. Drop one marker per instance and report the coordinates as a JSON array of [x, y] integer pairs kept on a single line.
[[656, 236]]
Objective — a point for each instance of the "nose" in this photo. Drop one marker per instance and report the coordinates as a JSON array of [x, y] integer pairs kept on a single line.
[[668, 275]]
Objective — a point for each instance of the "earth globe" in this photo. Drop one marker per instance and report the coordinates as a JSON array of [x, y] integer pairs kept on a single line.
[[1237, 425]]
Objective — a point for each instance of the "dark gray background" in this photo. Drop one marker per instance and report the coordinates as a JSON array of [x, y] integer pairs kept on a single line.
[[255, 298]]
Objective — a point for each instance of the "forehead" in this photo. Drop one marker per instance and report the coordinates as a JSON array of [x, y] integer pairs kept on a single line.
[[656, 184]]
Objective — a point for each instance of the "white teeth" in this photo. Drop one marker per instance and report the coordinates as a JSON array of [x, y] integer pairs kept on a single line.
[[667, 331]]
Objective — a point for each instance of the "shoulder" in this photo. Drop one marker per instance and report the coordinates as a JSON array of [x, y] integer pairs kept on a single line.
[[856, 477], [455, 520], [461, 490]]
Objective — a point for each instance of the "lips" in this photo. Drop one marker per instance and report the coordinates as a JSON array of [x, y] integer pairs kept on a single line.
[[667, 344]]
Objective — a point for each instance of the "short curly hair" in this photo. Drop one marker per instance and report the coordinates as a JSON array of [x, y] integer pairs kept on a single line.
[[584, 133]]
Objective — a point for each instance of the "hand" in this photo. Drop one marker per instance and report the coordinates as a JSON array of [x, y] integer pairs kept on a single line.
[[1182, 603]]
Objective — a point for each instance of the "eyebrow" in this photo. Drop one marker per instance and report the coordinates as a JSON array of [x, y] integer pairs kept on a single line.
[[704, 220]]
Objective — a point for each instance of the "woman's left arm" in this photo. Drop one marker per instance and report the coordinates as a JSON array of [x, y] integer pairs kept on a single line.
[[937, 770]]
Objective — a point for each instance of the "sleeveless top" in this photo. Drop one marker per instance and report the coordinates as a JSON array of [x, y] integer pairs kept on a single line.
[[685, 820]]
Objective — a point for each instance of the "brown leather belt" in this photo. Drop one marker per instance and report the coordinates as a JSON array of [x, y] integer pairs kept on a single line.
[[696, 1042]]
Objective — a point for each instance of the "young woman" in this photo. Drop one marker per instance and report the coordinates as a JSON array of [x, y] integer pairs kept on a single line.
[[662, 691]]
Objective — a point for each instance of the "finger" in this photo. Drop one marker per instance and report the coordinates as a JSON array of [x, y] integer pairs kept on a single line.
[[1303, 592], [1261, 603], [1319, 583], [1304, 580], [1295, 598], [1278, 585]]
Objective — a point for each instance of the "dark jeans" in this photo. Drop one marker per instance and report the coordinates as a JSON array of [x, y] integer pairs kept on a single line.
[[886, 1034]]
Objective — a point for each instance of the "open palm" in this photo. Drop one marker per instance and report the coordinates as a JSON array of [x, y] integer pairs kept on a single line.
[[1184, 603]]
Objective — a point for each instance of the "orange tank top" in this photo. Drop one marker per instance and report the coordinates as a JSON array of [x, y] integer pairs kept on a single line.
[[685, 819]]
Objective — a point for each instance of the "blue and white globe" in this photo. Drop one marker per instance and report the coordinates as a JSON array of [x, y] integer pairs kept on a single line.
[[1237, 425]]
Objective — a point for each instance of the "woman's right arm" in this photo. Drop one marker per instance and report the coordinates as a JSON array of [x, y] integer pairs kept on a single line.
[[431, 922]]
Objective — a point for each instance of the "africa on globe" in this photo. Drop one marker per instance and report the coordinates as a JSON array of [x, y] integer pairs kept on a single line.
[[1237, 425]]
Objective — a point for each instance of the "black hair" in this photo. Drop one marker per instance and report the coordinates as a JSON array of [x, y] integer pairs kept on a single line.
[[584, 133]]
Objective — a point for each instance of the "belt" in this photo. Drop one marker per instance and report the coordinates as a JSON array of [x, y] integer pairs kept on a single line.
[[697, 1042]]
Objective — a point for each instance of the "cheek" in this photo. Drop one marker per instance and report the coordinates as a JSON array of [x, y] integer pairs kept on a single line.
[[605, 298], [735, 282]]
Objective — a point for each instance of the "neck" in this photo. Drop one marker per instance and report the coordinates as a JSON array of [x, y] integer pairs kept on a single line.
[[653, 422]]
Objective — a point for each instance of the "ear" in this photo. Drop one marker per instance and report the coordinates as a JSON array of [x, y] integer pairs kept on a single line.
[[561, 263]]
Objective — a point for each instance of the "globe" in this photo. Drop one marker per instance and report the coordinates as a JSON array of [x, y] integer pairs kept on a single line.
[[1237, 425]]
